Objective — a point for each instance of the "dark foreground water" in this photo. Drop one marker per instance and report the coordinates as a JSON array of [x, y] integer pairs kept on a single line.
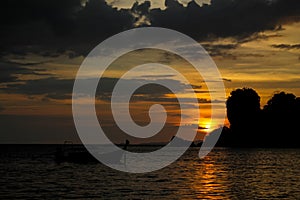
[[29, 172]]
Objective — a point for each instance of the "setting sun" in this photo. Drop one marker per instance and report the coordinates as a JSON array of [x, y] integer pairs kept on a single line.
[[207, 127]]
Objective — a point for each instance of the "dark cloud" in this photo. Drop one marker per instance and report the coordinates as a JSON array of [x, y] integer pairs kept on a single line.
[[1, 108], [141, 13], [202, 128], [256, 55], [288, 84], [202, 91], [212, 47], [28, 63], [286, 46], [158, 76], [260, 36], [55, 88], [52, 27], [51, 87], [220, 49], [9, 71], [59, 89], [227, 80], [169, 100], [223, 18]]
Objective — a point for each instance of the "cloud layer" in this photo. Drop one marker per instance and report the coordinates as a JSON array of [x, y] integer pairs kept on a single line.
[[52, 27]]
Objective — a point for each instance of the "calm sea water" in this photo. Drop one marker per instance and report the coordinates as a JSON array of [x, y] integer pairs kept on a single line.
[[30, 172]]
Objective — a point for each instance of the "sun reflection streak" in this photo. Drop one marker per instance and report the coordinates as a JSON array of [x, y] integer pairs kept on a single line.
[[210, 180]]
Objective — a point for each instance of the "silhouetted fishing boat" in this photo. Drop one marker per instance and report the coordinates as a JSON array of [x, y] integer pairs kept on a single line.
[[79, 154]]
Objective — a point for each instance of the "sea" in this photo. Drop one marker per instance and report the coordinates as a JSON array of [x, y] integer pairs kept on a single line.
[[30, 172]]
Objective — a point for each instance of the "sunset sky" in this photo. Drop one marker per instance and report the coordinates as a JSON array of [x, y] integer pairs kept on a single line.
[[254, 43]]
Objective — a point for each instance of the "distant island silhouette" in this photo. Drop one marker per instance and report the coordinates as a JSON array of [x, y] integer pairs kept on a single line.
[[274, 125]]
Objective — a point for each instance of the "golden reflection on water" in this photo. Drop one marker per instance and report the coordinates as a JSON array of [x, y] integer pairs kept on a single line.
[[210, 180], [223, 174]]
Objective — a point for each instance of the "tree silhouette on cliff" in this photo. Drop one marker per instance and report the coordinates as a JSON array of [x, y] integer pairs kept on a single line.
[[282, 117], [243, 108], [276, 125]]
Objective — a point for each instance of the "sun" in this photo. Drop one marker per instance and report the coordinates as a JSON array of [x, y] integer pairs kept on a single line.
[[207, 127]]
